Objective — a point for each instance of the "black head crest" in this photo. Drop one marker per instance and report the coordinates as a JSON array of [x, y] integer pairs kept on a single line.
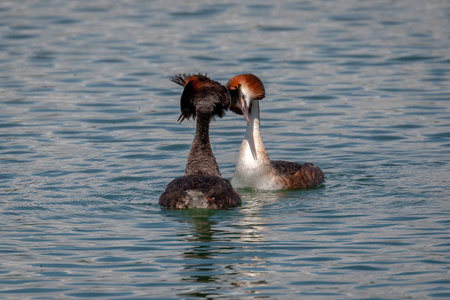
[[235, 105], [201, 95], [183, 79]]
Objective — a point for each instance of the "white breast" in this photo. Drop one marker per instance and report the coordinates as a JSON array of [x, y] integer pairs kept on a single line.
[[254, 172], [253, 168]]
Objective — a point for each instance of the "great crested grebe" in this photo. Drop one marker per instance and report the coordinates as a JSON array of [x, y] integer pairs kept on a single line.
[[254, 168], [202, 185]]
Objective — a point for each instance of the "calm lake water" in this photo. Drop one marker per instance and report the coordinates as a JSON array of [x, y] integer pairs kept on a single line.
[[89, 140]]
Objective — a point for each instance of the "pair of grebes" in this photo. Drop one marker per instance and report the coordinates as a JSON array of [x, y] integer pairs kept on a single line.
[[202, 185]]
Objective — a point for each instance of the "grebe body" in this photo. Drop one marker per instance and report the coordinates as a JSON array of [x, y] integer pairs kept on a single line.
[[254, 168], [200, 191], [202, 185]]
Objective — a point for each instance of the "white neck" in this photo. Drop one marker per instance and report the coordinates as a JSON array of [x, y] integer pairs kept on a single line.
[[252, 148], [253, 167]]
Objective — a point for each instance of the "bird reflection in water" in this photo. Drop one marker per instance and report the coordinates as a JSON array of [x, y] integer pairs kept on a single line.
[[220, 253]]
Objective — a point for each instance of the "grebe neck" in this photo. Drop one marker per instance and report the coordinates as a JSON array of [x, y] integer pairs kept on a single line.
[[253, 135], [201, 160]]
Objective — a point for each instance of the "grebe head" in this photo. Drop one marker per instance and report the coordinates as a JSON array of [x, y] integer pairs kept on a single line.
[[245, 88], [201, 95]]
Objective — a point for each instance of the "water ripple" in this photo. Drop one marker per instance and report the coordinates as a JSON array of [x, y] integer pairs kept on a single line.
[[89, 140]]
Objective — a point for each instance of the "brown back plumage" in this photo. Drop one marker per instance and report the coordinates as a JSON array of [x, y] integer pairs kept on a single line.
[[201, 191], [297, 176]]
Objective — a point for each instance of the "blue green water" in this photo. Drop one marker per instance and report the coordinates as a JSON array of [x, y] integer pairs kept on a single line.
[[89, 140]]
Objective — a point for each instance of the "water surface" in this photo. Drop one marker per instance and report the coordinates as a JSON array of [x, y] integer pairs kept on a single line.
[[89, 140]]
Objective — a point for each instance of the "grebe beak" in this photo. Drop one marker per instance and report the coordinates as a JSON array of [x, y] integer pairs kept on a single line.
[[246, 112], [245, 106]]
